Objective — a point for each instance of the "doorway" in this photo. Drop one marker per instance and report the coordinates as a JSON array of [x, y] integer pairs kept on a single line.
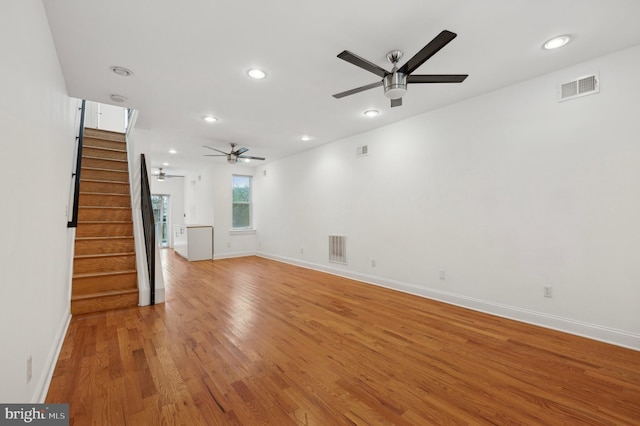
[[160, 203]]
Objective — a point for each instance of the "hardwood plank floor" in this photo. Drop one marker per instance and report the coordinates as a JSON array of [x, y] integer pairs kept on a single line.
[[251, 341]]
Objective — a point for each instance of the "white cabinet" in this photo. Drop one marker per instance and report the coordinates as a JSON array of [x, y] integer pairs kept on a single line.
[[193, 242]]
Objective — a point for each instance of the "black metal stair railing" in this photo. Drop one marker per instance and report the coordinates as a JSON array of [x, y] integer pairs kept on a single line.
[[148, 224], [73, 223]]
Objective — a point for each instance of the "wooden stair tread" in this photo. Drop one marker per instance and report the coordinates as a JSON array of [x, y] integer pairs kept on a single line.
[[105, 207], [101, 169], [108, 135], [104, 294], [104, 148], [105, 274], [129, 237], [106, 193], [90, 256], [104, 181], [105, 159], [92, 222]]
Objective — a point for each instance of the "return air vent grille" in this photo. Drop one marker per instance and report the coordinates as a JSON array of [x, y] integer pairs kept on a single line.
[[582, 86], [361, 151], [338, 249]]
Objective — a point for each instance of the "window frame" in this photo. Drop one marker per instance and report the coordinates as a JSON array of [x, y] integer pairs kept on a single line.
[[249, 203]]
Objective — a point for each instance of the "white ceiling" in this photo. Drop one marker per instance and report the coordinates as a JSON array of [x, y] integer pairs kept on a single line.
[[190, 59]]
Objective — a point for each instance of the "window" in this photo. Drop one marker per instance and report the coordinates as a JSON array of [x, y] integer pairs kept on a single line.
[[241, 202]]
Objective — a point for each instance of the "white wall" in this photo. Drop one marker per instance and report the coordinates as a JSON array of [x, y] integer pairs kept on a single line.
[[506, 193], [37, 133], [208, 201]]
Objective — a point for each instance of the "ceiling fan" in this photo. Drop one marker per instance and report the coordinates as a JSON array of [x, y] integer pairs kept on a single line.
[[395, 82], [232, 157], [162, 175]]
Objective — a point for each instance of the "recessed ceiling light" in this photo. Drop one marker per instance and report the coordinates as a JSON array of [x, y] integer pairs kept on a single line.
[[209, 118], [121, 71], [165, 164], [256, 73], [118, 98], [371, 113], [556, 42], [305, 138], [173, 151]]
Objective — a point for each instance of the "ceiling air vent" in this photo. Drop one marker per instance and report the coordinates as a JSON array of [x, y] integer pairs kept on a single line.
[[361, 151], [582, 86]]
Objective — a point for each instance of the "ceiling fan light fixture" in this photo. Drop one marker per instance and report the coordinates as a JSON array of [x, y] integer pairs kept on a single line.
[[232, 159], [371, 113], [395, 85], [556, 42], [256, 73]]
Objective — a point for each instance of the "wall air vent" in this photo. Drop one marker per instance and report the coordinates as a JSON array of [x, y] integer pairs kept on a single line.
[[361, 151], [583, 86], [338, 249]]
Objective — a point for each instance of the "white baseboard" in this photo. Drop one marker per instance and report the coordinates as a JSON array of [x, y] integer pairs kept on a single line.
[[42, 387], [233, 254], [566, 325]]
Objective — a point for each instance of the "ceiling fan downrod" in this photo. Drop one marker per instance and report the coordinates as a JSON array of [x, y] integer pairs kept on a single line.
[[395, 84]]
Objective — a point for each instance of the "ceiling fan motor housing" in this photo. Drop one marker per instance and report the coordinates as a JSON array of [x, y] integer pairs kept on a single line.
[[395, 85]]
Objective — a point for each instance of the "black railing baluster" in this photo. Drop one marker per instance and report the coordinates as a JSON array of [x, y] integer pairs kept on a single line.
[[73, 223], [148, 223]]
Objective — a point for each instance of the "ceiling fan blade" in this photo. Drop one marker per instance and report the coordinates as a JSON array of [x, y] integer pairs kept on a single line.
[[440, 41], [240, 151], [357, 90], [437, 78], [221, 152], [251, 158], [362, 63], [396, 102]]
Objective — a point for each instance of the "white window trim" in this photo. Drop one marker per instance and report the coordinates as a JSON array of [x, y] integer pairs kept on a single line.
[[242, 231], [250, 229]]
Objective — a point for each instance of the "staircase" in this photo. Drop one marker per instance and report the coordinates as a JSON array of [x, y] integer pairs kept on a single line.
[[104, 264]]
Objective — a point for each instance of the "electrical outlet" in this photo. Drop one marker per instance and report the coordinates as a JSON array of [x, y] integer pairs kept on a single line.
[[29, 368], [373, 263], [443, 275], [301, 250], [548, 291], [228, 245]]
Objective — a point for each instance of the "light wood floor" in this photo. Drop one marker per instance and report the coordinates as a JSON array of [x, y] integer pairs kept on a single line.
[[250, 341]]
